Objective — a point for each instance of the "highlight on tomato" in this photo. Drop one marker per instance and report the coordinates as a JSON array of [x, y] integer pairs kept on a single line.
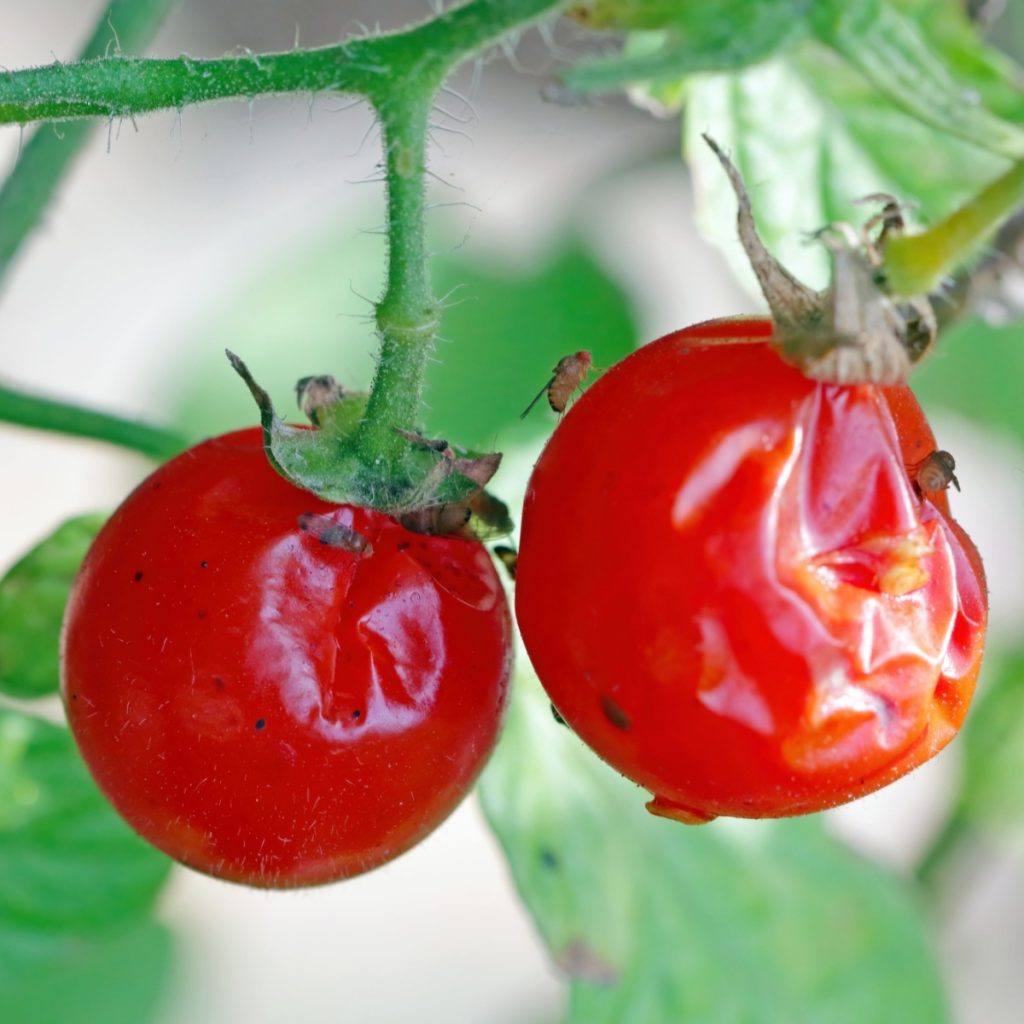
[[743, 588]]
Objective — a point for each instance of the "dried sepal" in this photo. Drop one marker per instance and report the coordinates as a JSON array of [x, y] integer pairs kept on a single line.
[[852, 332]]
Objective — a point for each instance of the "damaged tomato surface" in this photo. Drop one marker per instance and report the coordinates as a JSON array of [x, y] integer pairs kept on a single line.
[[274, 689], [733, 586]]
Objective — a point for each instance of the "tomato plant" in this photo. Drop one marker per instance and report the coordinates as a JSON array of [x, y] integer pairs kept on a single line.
[[734, 591], [264, 704], [739, 580]]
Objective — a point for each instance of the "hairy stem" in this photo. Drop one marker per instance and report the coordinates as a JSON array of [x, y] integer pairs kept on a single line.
[[43, 161], [399, 75], [375, 67], [26, 410], [407, 314]]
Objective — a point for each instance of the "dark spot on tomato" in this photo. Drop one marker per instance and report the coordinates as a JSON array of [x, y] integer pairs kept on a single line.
[[261, 723], [138, 575], [557, 717], [200, 614], [74, 696], [614, 713], [204, 565], [547, 859], [402, 545], [357, 714], [218, 682]]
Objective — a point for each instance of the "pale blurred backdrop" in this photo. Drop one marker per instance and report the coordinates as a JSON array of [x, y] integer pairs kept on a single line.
[[160, 225]]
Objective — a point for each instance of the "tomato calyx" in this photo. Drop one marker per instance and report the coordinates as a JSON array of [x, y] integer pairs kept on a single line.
[[430, 487], [854, 331]]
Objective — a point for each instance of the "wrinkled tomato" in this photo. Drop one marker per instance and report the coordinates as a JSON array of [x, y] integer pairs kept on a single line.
[[272, 689], [733, 587]]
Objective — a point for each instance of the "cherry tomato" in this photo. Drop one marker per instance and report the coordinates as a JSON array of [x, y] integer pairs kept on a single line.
[[265, 704], [733, 590]]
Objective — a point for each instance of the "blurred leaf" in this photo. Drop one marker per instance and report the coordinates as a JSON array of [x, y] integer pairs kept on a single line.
[[506, 334], [990, 801], [700, 35], [32, 599], [976, 370], [114, 980], [890, 49], [69, 866], [977, 65], [811, 137], [503, 333], [306, 313], [734, 921], [993, 750]]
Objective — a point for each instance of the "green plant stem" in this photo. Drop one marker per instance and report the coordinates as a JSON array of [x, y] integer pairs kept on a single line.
[[43, 161], [407, 315], [399, 74], [26, 410], [919, 263], [375, 67]]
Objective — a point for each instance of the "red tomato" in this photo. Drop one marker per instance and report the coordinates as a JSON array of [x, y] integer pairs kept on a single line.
[[266, 707], [731, 588]]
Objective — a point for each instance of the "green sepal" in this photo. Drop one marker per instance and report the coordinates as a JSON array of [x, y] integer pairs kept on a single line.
[[324, 460]]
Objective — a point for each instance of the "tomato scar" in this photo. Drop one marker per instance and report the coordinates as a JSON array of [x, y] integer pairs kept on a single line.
[[662, 807]]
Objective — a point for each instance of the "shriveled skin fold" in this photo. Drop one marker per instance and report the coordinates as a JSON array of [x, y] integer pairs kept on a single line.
[[732, 589], [268, 707]]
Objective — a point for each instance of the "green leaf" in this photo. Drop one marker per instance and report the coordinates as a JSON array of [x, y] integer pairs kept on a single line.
[[976, 371], [990, 802], [117, 979], [32, 599], [69, 866], [976, 65], [993, 751], [892, 52], [309, 312], [700, 35], [734, 921], [810, 137], [505, 334]]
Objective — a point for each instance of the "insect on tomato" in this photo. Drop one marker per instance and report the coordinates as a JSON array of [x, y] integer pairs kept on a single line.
[[275, 690], [734, 591], [566, 376]]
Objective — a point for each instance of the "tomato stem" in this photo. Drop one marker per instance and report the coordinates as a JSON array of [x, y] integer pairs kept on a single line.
[[916, 264], [407, 315], [399, 75], [27, 410]]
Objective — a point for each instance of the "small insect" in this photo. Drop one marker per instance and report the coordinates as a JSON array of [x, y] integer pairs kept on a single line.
[[335, 535], [889, 219], [568, 374], [314, 394], [491, 515], [447, 517], [508, 557], [935, 472]]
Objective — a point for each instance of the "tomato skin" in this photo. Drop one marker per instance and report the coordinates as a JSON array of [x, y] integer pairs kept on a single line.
[[732, 590], [267, 708]]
